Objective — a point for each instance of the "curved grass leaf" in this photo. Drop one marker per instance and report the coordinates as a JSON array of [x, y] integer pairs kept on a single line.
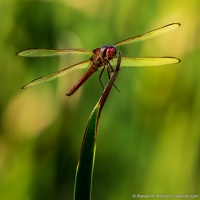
[[85, 166]]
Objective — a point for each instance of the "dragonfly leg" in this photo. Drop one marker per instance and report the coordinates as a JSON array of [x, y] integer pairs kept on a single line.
[[111, 70], [100, 75]]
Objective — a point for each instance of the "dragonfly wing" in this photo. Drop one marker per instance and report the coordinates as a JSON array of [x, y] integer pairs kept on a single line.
[[50, 52], [147, 61], [149, 34], [57, 74]]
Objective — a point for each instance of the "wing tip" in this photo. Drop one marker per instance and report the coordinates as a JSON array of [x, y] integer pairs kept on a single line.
[[179, 60], [24, 87], [19, 53], [176, 23], [24, 53], [176, 60]]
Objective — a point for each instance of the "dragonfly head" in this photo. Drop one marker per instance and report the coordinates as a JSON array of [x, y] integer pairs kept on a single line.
[[108, 51]]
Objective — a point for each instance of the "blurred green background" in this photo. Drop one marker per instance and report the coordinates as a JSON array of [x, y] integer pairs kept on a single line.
[[149, 132]]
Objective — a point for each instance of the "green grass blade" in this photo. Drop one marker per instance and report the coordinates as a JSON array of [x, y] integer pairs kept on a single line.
[[85, 166], [84, 172]]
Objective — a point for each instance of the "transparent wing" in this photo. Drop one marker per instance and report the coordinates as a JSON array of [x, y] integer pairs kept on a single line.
[[50, 52], [147, 61], [149, 34], [57, 74]]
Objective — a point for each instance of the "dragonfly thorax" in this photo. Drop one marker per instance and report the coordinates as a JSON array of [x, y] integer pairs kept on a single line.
[[108, 51]]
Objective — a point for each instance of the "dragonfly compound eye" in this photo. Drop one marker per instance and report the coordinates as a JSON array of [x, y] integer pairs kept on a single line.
[[110, 52]]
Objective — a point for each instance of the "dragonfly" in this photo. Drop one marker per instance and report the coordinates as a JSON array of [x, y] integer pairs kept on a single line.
[[101, 58]]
